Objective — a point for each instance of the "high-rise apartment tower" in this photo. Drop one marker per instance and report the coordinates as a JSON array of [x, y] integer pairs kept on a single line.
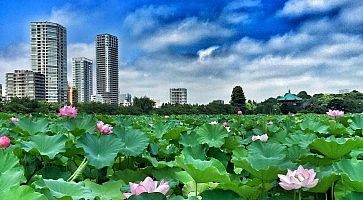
[[49, 57], [107, 67], [83, 78]]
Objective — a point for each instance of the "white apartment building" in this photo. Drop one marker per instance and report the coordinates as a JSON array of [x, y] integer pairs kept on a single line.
[[107, 67], [49, 57], [25, 83], [82, 74], [178, 96]]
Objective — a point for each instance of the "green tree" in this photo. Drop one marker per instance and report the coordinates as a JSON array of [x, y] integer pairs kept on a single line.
[[238, 98], [303, 95], [145, 104]]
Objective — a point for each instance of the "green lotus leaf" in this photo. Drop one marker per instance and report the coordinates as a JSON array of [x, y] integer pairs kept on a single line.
[[343, 192], [336, 128], [313, 126], [61, 189], [213, 135], [22, 192], [159, 129], [100, 150], [134, 142], [149, 196], [189, 188], [262, 160], [175, 133], [80, 124], [33, 126], [295, 152], [129, 175], [220, 194], [189, 139], [158, 164], [357, 122], [301, 139], [11, 172], [336, 148], [46, 145], [203, 171], [106, 191], [327, 176], [246, 191], [231, 143], [352, 173]]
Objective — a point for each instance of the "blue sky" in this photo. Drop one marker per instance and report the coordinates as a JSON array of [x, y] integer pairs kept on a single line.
[[206, 46]]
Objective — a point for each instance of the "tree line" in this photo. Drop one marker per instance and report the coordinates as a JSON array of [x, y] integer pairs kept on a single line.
[[351, 102]]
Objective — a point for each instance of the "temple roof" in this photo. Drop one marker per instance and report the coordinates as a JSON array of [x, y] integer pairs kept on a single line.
[[289, 97]]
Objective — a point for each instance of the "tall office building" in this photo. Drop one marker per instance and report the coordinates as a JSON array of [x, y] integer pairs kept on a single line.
[[83, 78], [178, 95], [107, 67], [49, 57], [25, 83]]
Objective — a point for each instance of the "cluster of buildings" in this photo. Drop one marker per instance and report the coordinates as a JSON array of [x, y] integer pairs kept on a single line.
[[47, 77]]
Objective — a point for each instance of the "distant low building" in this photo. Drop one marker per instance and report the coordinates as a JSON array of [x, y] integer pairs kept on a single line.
[[344, 91], [97, 98], [178, 96], [126, 99], [25, 83], [218, 101], [157, 102]]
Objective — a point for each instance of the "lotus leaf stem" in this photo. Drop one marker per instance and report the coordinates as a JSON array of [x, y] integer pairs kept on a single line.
[[78, 171]]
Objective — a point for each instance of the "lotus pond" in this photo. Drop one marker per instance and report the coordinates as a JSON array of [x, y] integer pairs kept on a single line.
[[181, 157]]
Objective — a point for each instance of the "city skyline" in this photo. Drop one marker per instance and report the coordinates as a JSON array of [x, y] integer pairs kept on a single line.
[[265, 47]]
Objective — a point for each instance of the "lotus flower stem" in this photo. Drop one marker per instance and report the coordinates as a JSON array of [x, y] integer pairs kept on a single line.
[[299, 194], [196, 189], [79, 170], [332, 191], [294, 195]]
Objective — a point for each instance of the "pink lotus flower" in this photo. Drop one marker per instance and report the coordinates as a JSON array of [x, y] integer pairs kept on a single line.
[[14, 119], [68, 111], [262, 138], [4, 142], [239, 112], [300, 178], [149, 186], [335, 113], [225, 124], [103, 128]]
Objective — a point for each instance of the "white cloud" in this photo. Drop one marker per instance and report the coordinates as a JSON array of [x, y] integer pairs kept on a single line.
[[188, 31], [67, 16], [295, 8], [204, 53], [352, 15], [235, 13], [146, 19]]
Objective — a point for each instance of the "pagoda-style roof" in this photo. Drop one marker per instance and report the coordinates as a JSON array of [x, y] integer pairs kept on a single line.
[[289, 97]]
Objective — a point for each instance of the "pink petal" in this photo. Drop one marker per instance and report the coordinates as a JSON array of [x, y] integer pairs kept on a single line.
[[164, 188], [133, 187], [140, 189], [149, 184]]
